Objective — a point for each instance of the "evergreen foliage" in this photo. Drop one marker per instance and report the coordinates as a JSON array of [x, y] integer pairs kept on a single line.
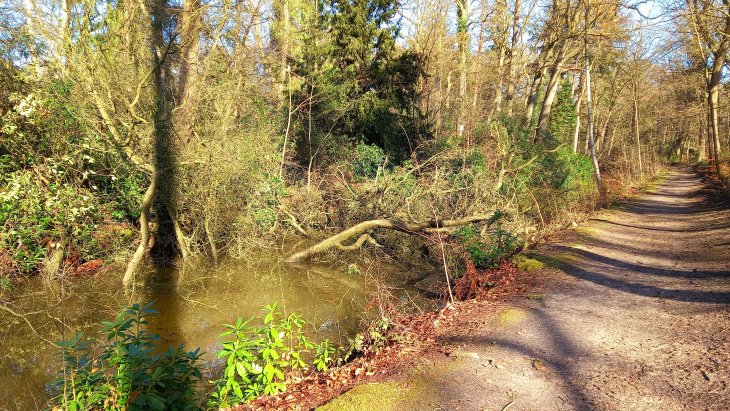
[[359, 87], [563, 116]]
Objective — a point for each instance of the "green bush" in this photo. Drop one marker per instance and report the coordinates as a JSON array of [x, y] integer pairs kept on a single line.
[[487, 253], [368, 160], [56, 178], [123, 371], [257, 358], [35, 214], [263, 207]]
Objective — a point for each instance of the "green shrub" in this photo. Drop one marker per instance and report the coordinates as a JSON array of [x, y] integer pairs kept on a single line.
[[35, 214], [564, 170], [121, 370], [368, 160], [257, 358], [124, 372], [487, 253], [263, 206]]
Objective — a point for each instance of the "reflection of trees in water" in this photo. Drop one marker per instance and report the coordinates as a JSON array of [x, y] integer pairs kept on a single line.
[[58, 311], [162, 289], [193, 301]]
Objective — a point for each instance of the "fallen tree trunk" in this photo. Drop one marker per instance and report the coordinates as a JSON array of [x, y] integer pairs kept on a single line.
[[361, 229]]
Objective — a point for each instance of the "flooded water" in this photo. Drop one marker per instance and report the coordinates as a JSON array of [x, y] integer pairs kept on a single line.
[[193, 302]]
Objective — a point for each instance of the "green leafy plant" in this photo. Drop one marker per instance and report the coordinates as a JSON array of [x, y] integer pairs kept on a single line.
[[5, 284], [368, 160], [324, 356], [487, 252], [257, 358], [124, 372]]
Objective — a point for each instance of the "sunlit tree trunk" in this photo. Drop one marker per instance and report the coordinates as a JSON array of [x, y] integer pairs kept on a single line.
[[281, 38], [162, 188], [578, 102], [512, 63], [550, 94], [188, 79], [635, 127], [462, 13], [713, 102], [589, 102], [534, 95]]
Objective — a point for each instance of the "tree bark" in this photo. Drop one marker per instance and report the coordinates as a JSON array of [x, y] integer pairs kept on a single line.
[[188, 80], [635, 126], [552, 91], [499, 38], [144, 231], [54, 262], [462, 14], [578, 102], [713, 102], [516, 33], [533, 96], [589, 103]]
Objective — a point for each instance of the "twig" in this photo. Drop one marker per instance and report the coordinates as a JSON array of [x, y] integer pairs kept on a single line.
[[24, 318], [506, 407]]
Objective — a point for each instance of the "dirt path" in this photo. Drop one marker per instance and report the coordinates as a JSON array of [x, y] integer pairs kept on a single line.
[[637, 318]]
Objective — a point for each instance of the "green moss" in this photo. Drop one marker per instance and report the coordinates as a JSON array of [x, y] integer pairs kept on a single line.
[[527, 264], [536, 296], [381, 396], [512, 316], [559, 260]]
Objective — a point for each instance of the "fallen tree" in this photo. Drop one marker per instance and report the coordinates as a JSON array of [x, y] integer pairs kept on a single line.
[[361, 230]]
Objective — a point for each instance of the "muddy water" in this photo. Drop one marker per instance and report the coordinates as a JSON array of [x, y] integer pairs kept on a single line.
[[193, 301]]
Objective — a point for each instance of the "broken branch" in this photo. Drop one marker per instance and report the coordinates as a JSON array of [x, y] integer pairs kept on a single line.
[[361, 229]]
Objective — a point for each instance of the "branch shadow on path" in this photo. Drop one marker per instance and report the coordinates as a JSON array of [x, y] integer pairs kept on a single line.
[[671, 208], [556, 349], [645, 290]]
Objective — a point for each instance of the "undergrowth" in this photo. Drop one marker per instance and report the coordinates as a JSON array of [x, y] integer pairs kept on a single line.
[[125, 368]]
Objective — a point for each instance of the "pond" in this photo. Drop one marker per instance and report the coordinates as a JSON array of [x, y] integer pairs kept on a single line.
[[193, 302]]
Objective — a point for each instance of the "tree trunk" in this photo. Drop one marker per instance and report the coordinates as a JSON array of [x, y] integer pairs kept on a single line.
[[54, 262], [552, 91], [462, 13], [497, 102], [280, 37], [188, 80], [144, 231], [635, 127], [589, 104], [516, 33], [713, 97], [499, 39], [578, 102], [163, 183], [533, 95]]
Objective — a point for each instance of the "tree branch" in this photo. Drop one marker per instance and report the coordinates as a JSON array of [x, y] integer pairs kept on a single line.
[[361, 229]]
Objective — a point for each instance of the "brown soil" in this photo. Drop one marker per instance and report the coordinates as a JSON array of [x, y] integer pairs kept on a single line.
[[635, 315]]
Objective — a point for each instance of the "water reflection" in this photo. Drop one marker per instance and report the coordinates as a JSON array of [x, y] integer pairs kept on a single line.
[[193, 301]]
